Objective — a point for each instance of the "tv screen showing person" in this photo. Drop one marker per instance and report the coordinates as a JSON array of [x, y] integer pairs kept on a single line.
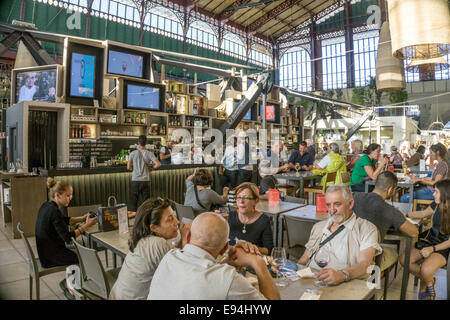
[[125, 64], [36, 86], [82, 75], [142, 97]]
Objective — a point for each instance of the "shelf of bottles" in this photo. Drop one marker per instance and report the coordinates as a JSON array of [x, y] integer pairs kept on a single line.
[[158, 126], [114, 130], [196, 121], [83, 131], [107, 116], [83, 114], [175, 121], [135, 118]]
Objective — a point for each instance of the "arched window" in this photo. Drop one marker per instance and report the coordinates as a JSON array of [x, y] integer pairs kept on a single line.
[[295, 70], [334, 65], [200, 33], [233, 46], [164, 19]]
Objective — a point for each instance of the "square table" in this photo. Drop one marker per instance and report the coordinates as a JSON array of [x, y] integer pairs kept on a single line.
[[113, 241], [301, 176], [353, 290]]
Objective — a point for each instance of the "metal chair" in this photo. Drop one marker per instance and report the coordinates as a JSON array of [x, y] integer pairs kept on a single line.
[[36, 269], [298, 232], [94, 279], [294, 199], [184, 212], [329, 177]]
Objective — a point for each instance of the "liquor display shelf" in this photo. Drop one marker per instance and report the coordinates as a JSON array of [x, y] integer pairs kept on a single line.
[[100, 149]]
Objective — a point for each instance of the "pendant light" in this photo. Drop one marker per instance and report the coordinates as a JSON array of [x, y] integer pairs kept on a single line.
[[419, 28], [427, 65], [390, 72]]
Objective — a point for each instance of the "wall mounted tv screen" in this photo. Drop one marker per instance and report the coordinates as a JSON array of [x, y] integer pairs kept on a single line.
[[39, 85], [82, 75], [143, 96], [272, 111], [127, 62]]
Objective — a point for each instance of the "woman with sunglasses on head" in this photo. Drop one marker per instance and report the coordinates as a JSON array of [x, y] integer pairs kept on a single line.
[[154, 228], [52, 228], [432, 250], [246, 223]]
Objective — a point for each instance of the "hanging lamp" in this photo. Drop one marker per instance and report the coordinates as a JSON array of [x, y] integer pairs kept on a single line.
[[419, 28], [427, 65], [390, 72]]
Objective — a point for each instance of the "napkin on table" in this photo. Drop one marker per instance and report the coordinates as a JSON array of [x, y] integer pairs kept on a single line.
[[306, 273]]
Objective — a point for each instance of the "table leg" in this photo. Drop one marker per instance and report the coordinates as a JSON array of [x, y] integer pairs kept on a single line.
[[411, 194], [406, 268], [275, 230], [114, 260], [366, 187], [280, 230], [301, 189]]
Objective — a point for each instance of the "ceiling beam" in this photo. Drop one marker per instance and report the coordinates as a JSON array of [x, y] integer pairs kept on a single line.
[[249, 5], [275, 12]]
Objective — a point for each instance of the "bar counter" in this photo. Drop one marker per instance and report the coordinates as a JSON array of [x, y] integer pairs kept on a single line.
[[113, 169]]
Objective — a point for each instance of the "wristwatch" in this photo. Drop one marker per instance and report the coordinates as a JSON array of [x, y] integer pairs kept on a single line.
[[346, 276]]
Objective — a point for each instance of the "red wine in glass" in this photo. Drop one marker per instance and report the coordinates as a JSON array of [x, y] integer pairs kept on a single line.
[[322, 263]]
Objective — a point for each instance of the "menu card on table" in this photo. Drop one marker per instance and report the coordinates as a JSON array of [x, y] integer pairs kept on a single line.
[[123, 220]]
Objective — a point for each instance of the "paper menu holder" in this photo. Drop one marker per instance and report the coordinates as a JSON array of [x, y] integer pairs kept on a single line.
[[123, 220]]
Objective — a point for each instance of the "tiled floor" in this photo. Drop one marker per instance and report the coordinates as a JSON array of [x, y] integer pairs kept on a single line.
[[14, 270], [14, 274]]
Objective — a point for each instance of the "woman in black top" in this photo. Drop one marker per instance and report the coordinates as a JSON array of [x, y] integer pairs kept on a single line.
[[246, 223], [52, 228], [433, 248]]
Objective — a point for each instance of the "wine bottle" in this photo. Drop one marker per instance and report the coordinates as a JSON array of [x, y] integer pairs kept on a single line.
[[138, 119]]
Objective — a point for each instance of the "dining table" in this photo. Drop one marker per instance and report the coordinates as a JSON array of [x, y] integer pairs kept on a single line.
[[298, 176], [355, 289], [402, 183]]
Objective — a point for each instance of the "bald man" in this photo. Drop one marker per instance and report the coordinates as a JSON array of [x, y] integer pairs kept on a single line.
[[192, 273]]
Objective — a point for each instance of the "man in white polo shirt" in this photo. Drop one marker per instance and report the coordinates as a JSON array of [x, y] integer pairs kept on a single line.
[[192, 273]]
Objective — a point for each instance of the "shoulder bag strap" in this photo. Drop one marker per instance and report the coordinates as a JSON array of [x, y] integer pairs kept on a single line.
[[196, 197], [329, 238]]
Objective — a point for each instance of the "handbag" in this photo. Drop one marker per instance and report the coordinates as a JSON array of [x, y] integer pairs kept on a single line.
[[423, 241], [108, 217]]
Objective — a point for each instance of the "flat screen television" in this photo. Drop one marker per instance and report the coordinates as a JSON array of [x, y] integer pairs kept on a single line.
[[84, 76], [141, 95], [127, 62], [272, 112], [41, 83]]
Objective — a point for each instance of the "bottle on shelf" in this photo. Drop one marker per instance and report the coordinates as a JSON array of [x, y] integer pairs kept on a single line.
[[195, 108], [138, 118], [143, 118], [179, 122]]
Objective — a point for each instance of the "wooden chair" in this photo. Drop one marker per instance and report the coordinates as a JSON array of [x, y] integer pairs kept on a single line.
[[345, 177], [287, 189], [421, 202], [329, 177]]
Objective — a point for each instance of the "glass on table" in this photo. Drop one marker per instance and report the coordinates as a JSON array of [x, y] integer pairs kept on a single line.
[[297, 167], [278, 261], [322, 258]]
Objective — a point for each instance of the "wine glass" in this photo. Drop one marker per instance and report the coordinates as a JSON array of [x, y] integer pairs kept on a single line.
[[322, 258], [278, 261], [297, 167]]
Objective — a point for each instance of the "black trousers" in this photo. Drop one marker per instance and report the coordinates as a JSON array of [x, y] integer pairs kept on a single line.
[[230, 178], [138, 188], [245, 176]]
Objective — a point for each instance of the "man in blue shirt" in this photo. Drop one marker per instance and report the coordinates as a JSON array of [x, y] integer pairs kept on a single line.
[[301, 156]]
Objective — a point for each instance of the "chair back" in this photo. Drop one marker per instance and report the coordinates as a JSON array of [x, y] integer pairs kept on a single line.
[[345, 177], [92, 271], [294, 199], [297, 230], [32, 261], [184, 212], [329, 177], [82, 210]]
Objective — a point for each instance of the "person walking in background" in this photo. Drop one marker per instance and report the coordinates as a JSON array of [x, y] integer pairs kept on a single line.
[[141, 162]]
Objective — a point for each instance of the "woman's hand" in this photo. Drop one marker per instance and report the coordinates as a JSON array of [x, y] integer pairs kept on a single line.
[[225, 190], [248, 247], [426, 252], [90, 221]]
